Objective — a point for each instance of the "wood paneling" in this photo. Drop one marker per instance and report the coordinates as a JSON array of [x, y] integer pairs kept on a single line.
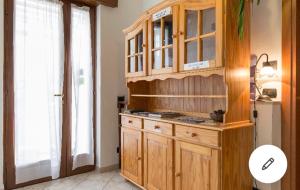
[[237, 64], [192, 94], [290, 91], [158, 162], [237, 146]]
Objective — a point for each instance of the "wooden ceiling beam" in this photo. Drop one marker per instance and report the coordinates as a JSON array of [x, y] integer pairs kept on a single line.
[[108, 3]]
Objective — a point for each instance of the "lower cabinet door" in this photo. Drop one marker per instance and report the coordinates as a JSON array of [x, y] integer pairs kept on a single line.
[[196, 167], [158, 162], [131, 155]]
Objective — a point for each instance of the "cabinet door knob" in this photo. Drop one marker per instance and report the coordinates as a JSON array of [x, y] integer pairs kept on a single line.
[[129, 121], [156, 127], [174, 36], [181, 33], [193, 134], [139, 158], [144, 45], [177, 175]]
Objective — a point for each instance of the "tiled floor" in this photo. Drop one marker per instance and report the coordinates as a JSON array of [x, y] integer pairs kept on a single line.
[[88, 181]]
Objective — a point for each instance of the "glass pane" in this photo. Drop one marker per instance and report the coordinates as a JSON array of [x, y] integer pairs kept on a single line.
[[156, 59], [38, 75], [191, 24], [140, 42], [168, 21], [208, 20], [191, 52], [168, 57], [140, 63], [132, 64], [208, 49], [157, 34], [82, 88], [131, 46]]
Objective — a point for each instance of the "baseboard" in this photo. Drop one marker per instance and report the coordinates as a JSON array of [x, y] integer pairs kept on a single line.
[[108, 168]]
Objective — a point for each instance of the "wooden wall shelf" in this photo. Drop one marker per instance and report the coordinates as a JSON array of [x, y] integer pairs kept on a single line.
[[201, 72], [177, 96]]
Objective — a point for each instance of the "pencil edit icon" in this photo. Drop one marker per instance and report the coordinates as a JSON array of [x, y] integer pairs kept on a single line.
[[268, 164]]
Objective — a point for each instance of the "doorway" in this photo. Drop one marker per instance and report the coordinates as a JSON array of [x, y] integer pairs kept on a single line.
[[49, 85]]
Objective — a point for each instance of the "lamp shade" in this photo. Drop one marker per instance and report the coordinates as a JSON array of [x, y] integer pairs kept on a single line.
[[267, 70]]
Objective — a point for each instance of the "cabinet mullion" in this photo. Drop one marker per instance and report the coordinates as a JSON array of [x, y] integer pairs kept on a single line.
[[162, 26], [199, 40]]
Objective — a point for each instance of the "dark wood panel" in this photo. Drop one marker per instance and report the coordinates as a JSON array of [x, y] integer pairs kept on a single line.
[[291, 91], [109, 3]]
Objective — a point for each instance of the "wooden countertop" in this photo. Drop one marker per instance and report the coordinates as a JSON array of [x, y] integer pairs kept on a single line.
[[210, 126]]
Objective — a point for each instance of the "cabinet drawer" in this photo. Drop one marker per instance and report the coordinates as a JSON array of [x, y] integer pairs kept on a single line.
[[158, 127], [131, 122], [195, 135]]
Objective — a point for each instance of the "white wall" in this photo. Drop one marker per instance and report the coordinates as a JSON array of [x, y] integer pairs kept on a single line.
[[149, 3], [1, 88], [113, 21], [266, 36]]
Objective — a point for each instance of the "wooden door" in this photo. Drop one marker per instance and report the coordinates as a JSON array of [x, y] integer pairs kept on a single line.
[[200, 35], [158, 162], [131, 154], [163, 41], [136, 52], [197, 167]]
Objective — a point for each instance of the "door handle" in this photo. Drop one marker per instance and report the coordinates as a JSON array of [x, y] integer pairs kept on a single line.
[[59, 95]]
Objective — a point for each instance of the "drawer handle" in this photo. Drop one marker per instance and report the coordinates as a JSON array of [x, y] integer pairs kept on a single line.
[[191, 134], [177, 175], [130, 121], [156, 127]]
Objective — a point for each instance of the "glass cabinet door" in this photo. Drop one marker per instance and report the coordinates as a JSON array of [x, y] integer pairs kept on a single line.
[[198, 37], [163, 41], [136, 52]]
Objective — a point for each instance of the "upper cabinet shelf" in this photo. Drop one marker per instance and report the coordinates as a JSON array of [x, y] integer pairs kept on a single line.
[[175, 37]]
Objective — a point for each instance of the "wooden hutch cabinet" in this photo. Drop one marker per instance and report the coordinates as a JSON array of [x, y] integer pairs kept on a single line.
[[186, 57]]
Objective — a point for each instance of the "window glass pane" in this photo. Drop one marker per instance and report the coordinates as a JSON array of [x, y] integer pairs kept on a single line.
[[168, 57], [157, 34], [168, 22], [140, 63], [208, 48], [131, 46], [131, 64], [191, 23], [140, 42], [208, 20], [191, 52], [82, 88], [156, 59]]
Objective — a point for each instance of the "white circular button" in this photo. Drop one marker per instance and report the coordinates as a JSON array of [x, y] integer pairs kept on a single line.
[[268, 164]]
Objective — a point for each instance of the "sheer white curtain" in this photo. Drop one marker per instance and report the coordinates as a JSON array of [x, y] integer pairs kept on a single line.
[[82, 88], [38, 75]]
